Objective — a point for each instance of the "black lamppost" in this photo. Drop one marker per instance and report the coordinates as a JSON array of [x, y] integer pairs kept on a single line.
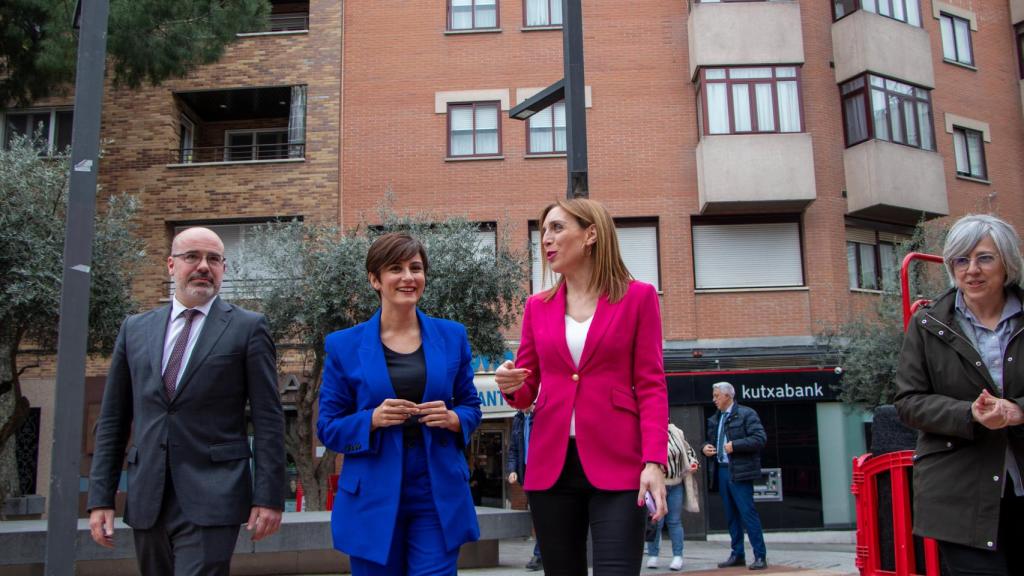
[[62, 504], [569, 88]]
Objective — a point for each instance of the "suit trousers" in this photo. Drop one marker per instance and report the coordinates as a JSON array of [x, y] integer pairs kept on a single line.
[[175, 546], [563, 513], [738, 501], [1008, 557], [417, 546]]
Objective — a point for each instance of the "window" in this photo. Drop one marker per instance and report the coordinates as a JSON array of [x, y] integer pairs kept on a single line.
[[956, 39], [546, 130], [472, 14], [474, 129], [240, 264], [903, 10], [543, 13], [872, 259], [747, 254], [970, 153], [50, 128], [750, 100], [884, 109], [186, 139], [242, 145], [638, 245]]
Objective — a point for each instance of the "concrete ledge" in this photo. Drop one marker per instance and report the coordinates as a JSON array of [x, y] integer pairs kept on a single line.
[[304, 541], [16, 506]]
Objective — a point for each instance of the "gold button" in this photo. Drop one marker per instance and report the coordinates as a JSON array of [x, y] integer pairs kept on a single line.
[[575, 377]]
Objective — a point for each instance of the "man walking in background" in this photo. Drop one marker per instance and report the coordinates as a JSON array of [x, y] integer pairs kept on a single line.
[[735, 438], [516, 466], [179, 381]]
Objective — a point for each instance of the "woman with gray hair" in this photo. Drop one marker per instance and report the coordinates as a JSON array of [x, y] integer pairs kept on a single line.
[[960, 384]]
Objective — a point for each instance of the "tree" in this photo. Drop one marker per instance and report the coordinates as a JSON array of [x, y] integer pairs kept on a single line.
[[148, 40], [311, 280], [33, 201], [870, 342]]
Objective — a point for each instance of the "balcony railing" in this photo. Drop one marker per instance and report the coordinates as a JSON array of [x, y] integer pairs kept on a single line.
[[241, 153], [285, 22]]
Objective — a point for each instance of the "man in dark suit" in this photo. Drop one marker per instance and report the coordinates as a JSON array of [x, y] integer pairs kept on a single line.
[[178, 384], [735, 438], [516, 467]]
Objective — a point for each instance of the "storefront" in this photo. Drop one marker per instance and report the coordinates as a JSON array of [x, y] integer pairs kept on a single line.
[[812, 439], [488, 448]]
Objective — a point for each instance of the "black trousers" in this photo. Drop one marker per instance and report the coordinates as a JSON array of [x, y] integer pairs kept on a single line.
[[563, 514], [1008, 557], [174, 546]]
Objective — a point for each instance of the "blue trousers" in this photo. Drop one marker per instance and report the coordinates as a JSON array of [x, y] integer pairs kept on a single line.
[[417, 548], [738, 500], [674, 519]]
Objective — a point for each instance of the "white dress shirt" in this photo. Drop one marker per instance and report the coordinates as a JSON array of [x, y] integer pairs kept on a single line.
[[576, 337], [174, 328]]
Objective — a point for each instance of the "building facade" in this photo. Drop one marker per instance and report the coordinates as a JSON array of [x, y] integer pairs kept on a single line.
[[762, 159]]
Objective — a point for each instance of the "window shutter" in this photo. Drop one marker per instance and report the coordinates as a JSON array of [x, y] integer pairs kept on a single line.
[[747, 255], [860, 235], [537, 283], [639, 248]]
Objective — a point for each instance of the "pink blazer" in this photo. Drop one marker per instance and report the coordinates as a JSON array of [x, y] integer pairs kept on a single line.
[[618, 390]]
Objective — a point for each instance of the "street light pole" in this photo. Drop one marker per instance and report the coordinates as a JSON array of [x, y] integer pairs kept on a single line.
[[575, 99], [72, 340]]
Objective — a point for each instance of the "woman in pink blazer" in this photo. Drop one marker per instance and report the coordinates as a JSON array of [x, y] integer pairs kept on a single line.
[[590, 359]]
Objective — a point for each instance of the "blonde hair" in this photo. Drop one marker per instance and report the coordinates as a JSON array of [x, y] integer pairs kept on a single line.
[[610, 276]]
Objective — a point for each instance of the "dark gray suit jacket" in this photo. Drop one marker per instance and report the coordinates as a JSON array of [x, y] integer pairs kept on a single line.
[[199, 437]]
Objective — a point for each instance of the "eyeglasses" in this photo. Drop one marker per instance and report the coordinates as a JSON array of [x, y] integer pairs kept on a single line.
[[193, 258], [961, 263]]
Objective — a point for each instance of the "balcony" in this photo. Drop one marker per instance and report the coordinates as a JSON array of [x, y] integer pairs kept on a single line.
[[742, 33], [242, 125], [286, 17], [894, 183], [738, 174], [863, 41]]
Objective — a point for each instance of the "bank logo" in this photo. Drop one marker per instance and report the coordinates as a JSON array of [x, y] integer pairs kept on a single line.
[[781, 392]]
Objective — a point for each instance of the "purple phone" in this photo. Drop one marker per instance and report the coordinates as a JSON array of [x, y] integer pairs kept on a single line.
[[649, 501]]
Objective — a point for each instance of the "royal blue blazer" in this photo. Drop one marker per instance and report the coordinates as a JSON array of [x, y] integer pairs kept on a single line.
[[355, 381]]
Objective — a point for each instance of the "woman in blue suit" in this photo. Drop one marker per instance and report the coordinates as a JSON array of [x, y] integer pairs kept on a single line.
[[398, 401]]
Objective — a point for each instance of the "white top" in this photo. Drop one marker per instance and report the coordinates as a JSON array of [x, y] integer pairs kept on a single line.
[[576, 337], [174, 328]]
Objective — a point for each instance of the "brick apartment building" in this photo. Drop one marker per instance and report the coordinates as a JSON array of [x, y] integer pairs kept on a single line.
[[762, 160]]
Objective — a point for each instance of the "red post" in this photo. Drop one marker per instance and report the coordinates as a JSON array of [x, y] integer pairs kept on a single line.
[[908, 308]]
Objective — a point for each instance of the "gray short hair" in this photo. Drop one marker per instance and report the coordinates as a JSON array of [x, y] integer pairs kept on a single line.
[[724, 388], [973, 228]]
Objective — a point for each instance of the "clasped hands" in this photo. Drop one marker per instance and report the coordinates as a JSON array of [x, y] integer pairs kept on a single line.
[[996, 413], [395, 411]]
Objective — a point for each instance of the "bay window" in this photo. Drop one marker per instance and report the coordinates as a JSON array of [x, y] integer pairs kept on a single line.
[[746, 100], [884, 109]]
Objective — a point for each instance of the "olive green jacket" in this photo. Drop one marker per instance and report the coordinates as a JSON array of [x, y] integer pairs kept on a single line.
[[959, 464]]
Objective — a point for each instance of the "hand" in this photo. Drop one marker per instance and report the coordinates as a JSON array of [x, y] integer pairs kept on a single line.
[[1014, 413], [436, 415], [652, 480], [988, 411], [391, 412], [101, 526], [265, 521], [512, 477], [728, 447], [709, 450], [509, 378]]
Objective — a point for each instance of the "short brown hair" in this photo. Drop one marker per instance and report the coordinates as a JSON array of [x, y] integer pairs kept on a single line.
[[392, 248], [610, 276]]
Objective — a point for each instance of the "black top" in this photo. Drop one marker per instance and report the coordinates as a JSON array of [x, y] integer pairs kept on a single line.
[[408, 374]]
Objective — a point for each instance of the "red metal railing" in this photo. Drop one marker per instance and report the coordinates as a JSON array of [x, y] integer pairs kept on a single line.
[[908, 307]]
